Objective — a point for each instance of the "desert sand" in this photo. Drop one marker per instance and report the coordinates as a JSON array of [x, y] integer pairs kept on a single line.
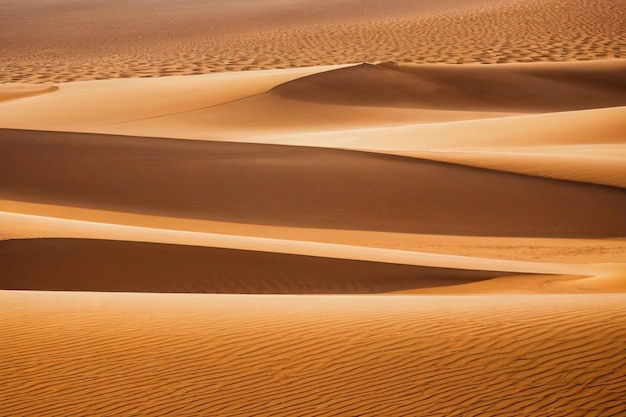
[[150, 38], [355, 208]]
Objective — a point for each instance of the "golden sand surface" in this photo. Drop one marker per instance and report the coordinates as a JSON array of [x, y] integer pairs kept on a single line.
[[325, 220], [233, 355], [76, 40]]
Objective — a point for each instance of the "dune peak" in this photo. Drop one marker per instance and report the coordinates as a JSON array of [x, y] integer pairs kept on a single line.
[[512, 87]]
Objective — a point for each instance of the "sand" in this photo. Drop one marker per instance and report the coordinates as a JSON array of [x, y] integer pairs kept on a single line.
[[344, 211], [197, 37], [164, 354]]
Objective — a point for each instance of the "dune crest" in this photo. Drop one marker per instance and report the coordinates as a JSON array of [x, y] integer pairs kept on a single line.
[[190, 37], [542, 87], [14, 91], [113, 266], [326, 188]]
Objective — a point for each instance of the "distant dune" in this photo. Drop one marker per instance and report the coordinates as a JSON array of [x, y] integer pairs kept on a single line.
[[197, 37], [98, 265], [298, 186], [17, 91], [499, 88]]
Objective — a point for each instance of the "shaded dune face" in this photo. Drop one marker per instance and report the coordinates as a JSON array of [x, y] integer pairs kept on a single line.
[[108, 265], [502, 88], [298, 186]]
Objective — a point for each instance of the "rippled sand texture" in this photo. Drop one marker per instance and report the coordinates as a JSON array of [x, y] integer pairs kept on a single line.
[[190, 355], [72, 40]]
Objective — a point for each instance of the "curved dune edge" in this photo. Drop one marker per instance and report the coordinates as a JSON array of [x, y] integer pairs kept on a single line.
[[15, 91], [326, 188], [138, 266], [98, 265], [117, 101], [504, 257], [583, 146], [213, 106], [159, 354], [454, 110], [537, 87], [601, 170], [22, 220]]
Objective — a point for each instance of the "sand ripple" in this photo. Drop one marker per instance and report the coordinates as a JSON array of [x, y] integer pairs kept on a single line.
[[113, 355], [203, 38]]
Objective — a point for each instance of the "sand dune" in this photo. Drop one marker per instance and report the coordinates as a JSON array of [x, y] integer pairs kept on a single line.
[[397, 109], [112, 102], [555, 255], [97, 265], [47, 227], [513, 87], [298, 186], [605, 169], [483, 205], [15, 91], [326, 98], [590, 129], [137, 266], [584, 146], [197, 37], [164, 354]]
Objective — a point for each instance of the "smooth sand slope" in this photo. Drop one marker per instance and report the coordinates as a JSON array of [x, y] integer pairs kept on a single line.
[[254, 103], [100, 265], [547, 120], [506, 115], [298, 186], [107, 39], [521, 265], [189, 355], [499, 88], [14, 91]]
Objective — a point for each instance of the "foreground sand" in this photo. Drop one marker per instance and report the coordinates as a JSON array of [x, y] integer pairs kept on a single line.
[[360, 235], [191, 355]]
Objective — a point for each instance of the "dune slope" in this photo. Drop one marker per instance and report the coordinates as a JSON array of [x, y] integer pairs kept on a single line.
[[106, 265], [298, 186], [512, 87]]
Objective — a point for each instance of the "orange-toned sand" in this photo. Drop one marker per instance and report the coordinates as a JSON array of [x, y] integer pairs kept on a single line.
[[73, 40], [235, 355], [333, 222]]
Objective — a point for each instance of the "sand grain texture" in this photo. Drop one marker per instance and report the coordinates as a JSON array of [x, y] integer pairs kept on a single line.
[[197, 37], [250, 355], [298, 186]]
